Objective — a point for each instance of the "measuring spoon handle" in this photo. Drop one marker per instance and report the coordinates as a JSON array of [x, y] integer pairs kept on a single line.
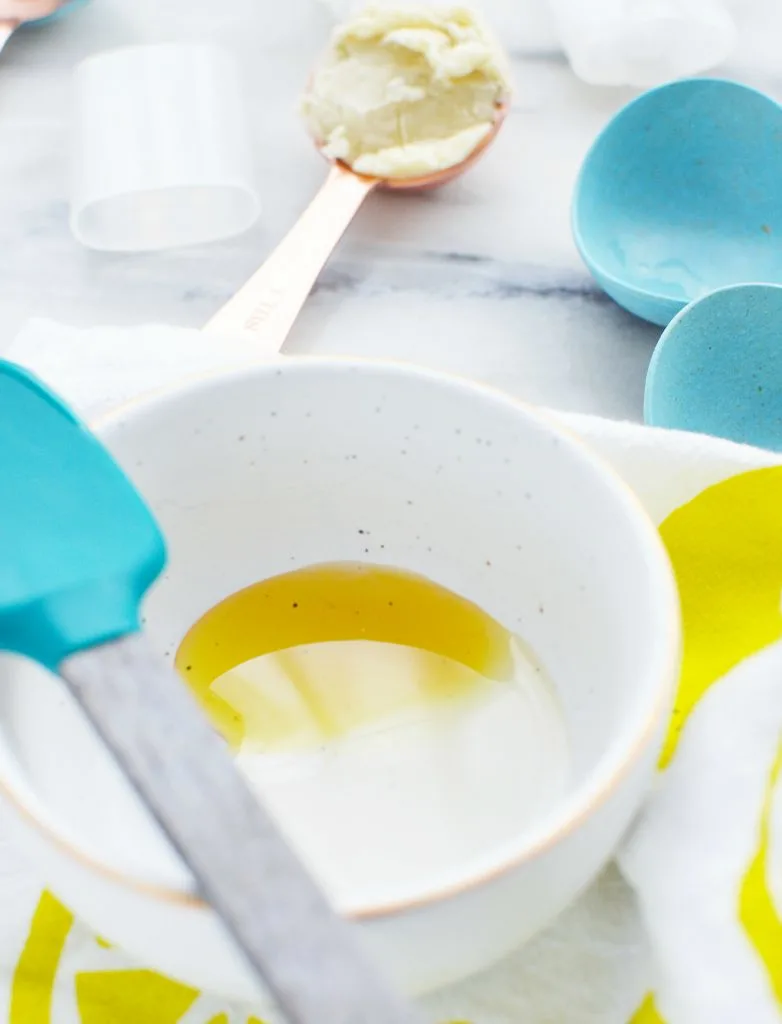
[[266, 307]]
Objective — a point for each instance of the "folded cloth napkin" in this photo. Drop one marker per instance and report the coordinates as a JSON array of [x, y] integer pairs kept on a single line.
[[690, 932]]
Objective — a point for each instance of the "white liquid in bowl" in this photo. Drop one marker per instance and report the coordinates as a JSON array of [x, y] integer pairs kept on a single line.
[[413, 798]]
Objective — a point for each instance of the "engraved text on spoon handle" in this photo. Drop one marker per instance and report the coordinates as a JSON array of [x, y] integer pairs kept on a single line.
[[265, 308]]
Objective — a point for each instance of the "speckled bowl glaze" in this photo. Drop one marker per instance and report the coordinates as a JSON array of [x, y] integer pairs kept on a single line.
[[288, 464], [680, 194]]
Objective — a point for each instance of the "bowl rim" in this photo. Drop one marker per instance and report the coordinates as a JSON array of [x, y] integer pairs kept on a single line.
[[660, 669], [595, 267]]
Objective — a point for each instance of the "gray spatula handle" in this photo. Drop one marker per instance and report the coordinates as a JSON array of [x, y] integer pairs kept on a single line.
[[307, 956]]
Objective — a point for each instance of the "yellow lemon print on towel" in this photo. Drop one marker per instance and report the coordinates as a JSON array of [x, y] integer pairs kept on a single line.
[[66, 976], [726, 550], [757, 912]]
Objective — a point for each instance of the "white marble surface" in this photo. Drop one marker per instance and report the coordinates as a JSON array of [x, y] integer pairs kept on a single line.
[[481, 277]]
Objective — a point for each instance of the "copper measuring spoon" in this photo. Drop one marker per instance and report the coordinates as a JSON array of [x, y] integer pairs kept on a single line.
[[266, 307]]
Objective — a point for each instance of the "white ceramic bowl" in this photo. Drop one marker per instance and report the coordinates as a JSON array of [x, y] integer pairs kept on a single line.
[[254, 473]]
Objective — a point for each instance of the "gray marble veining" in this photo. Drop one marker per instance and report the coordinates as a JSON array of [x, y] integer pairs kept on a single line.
[[480, 278]]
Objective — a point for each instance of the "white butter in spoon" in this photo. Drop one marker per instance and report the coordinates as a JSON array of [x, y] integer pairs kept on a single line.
[[406, 91]]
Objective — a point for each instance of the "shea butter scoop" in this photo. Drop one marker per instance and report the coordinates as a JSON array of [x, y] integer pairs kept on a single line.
[[404, 98]]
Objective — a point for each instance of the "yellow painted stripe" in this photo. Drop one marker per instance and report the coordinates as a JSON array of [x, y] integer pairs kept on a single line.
[[36, 969], [726, 549], [647, 1013], [130, 997], [757, 912]]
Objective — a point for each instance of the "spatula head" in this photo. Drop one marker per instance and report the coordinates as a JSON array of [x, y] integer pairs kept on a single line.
[[78, 546]]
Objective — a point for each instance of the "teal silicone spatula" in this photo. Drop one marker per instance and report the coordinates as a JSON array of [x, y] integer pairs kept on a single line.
[[78, 550]]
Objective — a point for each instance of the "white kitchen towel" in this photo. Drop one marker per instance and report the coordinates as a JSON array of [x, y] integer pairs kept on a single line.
[[697, 937]]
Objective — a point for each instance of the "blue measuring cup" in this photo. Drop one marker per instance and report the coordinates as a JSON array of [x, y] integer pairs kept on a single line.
[[681, 194]]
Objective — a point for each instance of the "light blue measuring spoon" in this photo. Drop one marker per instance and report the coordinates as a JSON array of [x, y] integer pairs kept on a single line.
[[680, 194], [717, 368]]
